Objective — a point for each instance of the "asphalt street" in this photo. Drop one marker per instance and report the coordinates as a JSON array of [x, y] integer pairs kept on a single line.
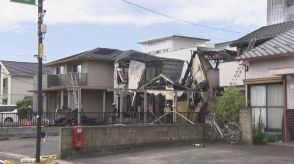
[[16, 149], [173, 154], [211, 154]]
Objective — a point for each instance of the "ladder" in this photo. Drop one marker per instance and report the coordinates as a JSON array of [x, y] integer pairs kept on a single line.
[[75, 88], [237, 74], [239, 70]]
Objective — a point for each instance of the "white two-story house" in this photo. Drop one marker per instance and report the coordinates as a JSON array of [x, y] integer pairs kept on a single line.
[[17, 80]]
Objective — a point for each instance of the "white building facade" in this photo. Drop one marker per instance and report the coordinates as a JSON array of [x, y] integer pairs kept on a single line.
[[279, 11], [16, 81]]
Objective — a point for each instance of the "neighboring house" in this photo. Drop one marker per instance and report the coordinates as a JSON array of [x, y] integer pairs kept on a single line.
[[279, 11], [269, 76], [17, 80], [98, 73]]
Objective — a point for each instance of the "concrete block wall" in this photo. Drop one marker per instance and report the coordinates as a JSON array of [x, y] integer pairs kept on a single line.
[[106, 139], [246, 125], [22, 132]]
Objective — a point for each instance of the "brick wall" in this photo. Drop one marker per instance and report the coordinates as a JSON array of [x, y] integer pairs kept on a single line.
[[106, 139]]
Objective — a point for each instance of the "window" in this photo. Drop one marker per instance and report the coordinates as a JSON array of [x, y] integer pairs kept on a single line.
[[267, 101], [77, 68], [5, 82], [5, 86], [289, 3], [60, 70]]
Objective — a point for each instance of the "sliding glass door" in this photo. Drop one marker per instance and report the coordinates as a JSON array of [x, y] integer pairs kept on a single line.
[[267, 102]]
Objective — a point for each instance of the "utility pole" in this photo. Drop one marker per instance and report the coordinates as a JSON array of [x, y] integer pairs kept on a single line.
[[40, 71]]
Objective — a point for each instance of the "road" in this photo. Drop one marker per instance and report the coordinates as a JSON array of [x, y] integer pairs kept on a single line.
[[16, 149], [173, 154], [211, 154]]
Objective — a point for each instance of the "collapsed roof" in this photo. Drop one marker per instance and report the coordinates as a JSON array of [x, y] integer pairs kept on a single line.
[[160, 81]]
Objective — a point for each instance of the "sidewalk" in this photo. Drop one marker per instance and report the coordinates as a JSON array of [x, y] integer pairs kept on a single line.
[[290, 144]]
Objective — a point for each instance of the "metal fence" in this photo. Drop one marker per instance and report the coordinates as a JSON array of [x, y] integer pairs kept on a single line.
[[96, 118]]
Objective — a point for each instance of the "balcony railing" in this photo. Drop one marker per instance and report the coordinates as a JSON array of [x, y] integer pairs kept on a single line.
[[62, 80]]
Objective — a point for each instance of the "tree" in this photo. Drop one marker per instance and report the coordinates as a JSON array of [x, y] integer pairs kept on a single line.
[[23, 107], [228, 105]]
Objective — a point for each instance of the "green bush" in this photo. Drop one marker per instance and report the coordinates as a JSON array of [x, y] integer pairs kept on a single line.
[[23, 107], [228, 105]]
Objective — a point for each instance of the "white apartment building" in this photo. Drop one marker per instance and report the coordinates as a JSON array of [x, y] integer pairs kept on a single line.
[[173, 44], [279, 11]]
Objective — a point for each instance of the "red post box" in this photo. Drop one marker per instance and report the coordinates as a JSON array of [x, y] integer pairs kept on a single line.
[[78, 137]]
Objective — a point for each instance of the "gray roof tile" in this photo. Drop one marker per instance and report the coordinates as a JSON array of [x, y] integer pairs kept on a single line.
[[264, 33], [24, 68], [279, 45], [110, 55]]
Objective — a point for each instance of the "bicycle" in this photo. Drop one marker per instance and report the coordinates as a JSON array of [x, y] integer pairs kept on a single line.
[[216, 128]]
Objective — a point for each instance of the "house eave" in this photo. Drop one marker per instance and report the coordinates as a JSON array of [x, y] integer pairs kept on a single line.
[[257, 58]]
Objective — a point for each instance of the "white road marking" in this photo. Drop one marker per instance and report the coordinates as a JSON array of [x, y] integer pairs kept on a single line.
[[13, 155]]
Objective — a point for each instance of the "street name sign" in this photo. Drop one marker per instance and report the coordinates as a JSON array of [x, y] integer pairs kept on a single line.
[[30, 2]]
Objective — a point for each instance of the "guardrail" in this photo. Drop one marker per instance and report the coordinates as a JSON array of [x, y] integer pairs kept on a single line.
[[96, 118]]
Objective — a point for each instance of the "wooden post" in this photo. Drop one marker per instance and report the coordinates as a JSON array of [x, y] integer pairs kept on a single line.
[[68, 99], [61, 99], [175, 107], [121, 108], [115, 82], [286, 130], [79, 105], [103, 104], [145, 106]]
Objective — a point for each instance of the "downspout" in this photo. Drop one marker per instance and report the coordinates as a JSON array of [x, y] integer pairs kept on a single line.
[[286, 133]]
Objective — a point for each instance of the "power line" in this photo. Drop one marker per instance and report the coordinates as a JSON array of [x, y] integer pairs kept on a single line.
[[181, 20], [174, 32]]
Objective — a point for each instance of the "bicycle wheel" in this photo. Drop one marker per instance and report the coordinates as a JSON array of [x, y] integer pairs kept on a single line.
[[209, 133], [233, 133]]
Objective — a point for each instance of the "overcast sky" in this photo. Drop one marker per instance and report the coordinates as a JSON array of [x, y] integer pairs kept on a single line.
[[79, 25]]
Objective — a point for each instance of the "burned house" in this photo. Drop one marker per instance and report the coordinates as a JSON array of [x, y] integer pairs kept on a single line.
[[133, 75], [89, 79]]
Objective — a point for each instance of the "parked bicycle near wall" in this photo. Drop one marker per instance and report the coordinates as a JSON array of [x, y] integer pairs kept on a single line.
[[215, 129]]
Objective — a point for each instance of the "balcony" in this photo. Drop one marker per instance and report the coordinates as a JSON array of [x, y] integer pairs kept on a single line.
[[62, 80]]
